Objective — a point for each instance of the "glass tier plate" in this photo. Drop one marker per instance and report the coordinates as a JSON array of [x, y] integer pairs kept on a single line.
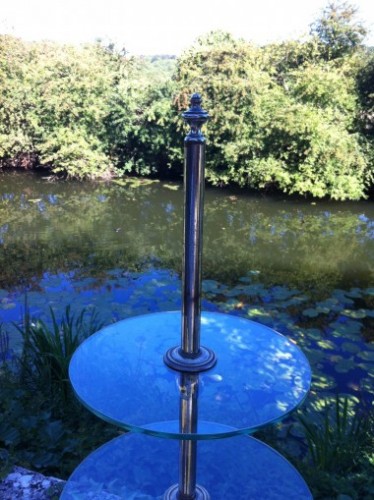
[[119, 374], [139, 467]]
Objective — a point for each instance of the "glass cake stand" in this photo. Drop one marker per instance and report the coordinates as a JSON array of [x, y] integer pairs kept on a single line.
[[259, 378], [139, 467], [119, 374], [185, 397]]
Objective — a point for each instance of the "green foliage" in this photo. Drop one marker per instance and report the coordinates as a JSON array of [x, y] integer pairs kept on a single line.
[[365, 87], [337, 437], [72, 153], [338, 30], [294, 132], [47, 351], [294, 116], [331, 444], [43, 426], [36, 434], [55, 103], [339, 462]]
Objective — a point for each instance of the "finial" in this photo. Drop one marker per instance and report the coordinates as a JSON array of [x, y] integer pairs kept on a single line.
[[195, 100], [195, 117]]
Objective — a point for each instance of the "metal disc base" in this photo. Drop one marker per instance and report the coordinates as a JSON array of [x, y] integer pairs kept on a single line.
[[175, 360], [172, 493]]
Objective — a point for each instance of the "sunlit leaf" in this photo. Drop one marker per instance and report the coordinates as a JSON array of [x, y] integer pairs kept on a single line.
[[357, 314]]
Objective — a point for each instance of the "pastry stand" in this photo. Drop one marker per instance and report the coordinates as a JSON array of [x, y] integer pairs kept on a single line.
[[188, 396]]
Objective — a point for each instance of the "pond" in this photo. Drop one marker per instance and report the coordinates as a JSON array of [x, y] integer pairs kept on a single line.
[[306, 268]]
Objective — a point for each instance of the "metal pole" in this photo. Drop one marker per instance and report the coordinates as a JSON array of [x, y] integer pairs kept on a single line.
[[187, 489], [194, 146], [190, 356], [188, 425]]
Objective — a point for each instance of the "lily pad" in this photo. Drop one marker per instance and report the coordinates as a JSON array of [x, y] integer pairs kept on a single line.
[[322, 382], [355, 293], [314, 356], [310, 313], [283, 293], [323, 309], [367, 385], [356, 314], [257, 312], [7, 305], [326, 344], [348, 330], [172, 187], [345, 365], [295, 301], [329, 399], [209, 286], [235, 292], [367, 367], [367, 356], [350, 347], [313, 333], [245, 279]]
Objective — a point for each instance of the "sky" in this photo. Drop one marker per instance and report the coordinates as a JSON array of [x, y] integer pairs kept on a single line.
[[164, 26]]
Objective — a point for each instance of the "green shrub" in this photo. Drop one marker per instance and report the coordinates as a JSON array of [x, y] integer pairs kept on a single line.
[[293, 131]]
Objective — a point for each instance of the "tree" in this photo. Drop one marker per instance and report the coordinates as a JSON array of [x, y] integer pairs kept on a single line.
[[365, 87], [288, 127], [338, 30]]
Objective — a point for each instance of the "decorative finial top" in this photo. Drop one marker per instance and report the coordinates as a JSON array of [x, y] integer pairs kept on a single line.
[[195, 117], [195, 100]]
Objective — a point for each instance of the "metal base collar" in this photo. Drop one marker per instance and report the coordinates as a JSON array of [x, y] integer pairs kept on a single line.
[[173, 494], [175, 360]]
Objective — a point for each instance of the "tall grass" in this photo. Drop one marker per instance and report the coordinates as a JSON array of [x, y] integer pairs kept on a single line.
[[338, 437], [42, 425], [48, 349]]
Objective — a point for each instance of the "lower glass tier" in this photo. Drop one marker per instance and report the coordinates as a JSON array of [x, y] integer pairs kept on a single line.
[[139, 467], [120, 375]]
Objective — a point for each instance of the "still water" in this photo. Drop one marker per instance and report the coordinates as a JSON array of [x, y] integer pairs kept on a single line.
[[305, 268], [58, 226]]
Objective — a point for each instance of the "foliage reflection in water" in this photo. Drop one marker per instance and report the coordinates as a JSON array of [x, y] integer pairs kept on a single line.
[[66, 226]]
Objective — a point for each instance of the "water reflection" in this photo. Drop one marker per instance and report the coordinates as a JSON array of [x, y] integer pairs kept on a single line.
[[94, 227]]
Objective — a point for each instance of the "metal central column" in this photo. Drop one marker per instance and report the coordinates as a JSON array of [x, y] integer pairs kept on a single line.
[[193, 229], [187, 489], [190, 356], [188, 425]]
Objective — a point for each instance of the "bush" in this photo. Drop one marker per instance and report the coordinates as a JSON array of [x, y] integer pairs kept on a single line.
[[294, 132]]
